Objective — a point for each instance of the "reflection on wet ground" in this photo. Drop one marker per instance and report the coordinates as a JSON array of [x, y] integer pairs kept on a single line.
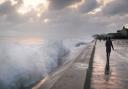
[[117, 77], [80, 66]]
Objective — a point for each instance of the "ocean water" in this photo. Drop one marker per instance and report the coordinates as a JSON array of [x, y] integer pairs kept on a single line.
[[23, 62]]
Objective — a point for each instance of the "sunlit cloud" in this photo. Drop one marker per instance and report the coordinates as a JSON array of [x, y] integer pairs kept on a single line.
[[69, 17], [102, 3], [46, 20], [14, 2], [95, 10], [76, 5], [2, 1], [38, 6]]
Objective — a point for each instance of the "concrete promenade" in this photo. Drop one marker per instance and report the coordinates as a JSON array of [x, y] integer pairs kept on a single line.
[[87, 71], [74, 77], [118, 77], [71, 75]]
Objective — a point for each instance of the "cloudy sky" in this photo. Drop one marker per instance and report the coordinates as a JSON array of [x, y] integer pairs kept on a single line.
[[61, 18]]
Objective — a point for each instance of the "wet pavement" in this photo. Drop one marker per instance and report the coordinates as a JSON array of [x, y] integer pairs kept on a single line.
[[118, 76], [74, 76], [70, 75]]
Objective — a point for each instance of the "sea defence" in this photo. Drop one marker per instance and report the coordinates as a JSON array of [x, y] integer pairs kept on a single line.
[[73, 75]]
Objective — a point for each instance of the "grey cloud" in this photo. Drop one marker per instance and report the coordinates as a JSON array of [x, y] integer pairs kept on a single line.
[[69, 25], [84, 8], [6, 8], [118, 7], [9, 12], [88, 6], [60, 4], [64, 23]]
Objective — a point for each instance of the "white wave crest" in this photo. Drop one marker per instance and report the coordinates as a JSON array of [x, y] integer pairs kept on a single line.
[[22, 65]]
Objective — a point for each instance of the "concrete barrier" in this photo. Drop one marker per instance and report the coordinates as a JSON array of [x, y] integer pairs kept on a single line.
[[87, 84]]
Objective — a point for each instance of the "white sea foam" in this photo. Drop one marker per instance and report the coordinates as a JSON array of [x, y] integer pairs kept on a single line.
[[24, 64]]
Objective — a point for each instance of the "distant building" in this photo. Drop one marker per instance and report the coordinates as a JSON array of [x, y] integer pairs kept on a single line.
[[120, 34], [112, 35], [123, 32]]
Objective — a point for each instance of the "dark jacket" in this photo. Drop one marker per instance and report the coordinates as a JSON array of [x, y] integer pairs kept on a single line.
[[108, 45]]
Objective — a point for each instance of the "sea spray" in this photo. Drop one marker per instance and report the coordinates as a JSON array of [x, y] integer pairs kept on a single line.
[[24, 64]]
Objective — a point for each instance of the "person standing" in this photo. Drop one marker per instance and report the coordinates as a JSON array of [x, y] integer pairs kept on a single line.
[[108, 45]]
